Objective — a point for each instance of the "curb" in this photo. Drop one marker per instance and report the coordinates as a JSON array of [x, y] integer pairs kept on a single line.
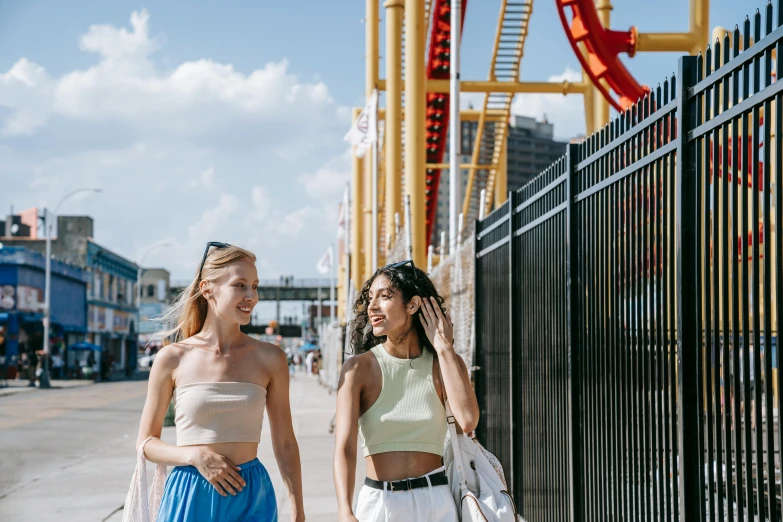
[[9, 391]]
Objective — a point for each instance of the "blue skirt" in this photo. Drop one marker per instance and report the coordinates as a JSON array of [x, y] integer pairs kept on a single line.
[[188, 497]]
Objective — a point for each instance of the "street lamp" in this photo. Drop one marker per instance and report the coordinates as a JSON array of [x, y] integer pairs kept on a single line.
[[44, 380]]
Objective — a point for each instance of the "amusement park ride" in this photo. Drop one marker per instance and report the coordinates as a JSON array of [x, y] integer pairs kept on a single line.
[[421, 81]]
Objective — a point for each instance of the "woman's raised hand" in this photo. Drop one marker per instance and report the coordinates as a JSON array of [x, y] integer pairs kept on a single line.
[[219, 471], [439, 329]]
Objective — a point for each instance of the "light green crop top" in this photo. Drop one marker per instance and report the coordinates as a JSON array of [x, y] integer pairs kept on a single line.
[[408, 414]]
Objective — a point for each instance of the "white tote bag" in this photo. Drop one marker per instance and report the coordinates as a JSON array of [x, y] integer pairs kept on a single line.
[[476, 478], [139, 506]]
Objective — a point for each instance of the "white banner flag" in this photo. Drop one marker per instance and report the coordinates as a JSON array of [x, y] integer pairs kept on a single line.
[[325, 263], [364, 131]]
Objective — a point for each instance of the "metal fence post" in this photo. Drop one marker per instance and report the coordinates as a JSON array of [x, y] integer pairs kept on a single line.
[[477, 324], [689, 373], [575, 468], [512, 312]]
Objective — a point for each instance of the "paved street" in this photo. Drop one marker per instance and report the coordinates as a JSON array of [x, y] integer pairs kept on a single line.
[[68, 454]]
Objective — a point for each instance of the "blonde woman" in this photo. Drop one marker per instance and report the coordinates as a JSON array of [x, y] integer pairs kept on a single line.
[[221, 381], [391, 396]]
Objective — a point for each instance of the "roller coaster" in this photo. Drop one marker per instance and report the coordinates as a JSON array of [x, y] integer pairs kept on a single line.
[[407, 163]]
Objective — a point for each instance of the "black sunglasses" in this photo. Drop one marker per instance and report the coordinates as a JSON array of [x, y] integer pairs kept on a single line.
[[211, 244], [403, 263]]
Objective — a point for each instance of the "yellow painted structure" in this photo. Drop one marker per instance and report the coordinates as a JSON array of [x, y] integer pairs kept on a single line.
[[415, 107], [564, 87], [393, 115], [357, 221], [404, 163], [694, 41], [601, 114]]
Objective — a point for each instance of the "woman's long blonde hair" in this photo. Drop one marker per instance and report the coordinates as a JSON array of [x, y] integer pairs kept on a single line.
[[187, 314]]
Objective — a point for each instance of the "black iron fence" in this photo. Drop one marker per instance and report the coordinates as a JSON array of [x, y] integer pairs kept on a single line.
[[628, 303]]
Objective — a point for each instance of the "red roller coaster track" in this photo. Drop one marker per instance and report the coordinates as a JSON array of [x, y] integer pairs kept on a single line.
[[438, 67], [602, 61]]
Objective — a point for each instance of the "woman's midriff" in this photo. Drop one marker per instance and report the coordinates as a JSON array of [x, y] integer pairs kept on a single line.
[[401, 465], [236, 452]]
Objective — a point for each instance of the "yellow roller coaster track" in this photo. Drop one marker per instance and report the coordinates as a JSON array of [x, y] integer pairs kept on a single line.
[[490, 144]]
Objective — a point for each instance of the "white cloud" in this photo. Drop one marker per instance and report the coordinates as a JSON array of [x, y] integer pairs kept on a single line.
[[196, 97], [328, 182], [26, 90], [565, 112], [261, 151], [206, 179], [262, 203], [293, 223]]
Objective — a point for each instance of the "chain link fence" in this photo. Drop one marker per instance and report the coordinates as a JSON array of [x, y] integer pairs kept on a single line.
[[454, 279], [332, 346]]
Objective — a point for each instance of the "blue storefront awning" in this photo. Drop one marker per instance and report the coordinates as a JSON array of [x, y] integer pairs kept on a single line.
[[85, 346]]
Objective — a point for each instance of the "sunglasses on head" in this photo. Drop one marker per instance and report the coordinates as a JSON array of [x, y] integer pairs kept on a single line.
[[403, 263], [211, 244]]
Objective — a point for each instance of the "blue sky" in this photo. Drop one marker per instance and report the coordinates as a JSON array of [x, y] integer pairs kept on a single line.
[[224, 120]]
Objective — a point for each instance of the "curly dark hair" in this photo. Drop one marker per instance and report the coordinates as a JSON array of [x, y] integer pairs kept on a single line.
[[410, 282]]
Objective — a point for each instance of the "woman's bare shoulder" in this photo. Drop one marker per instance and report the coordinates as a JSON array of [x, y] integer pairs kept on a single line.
[[268, 352], [361, 364], [171, 355]]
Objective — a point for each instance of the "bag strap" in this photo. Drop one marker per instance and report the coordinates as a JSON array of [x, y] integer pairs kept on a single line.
[[452, 424]]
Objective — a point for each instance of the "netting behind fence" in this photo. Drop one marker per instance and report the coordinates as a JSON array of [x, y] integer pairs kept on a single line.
[[454, 279], [331, 342]]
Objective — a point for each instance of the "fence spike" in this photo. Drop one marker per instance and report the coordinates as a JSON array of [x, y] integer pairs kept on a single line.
[[717, 54], [665, 91], [768, 18], [726, 49]]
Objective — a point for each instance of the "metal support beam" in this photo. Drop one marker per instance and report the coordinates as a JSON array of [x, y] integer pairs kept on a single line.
[[564, 87], [501, 176], [371, 25], [601, 115], [393, 135], [693, 42], [415, 108], [464, 114], [357, 218], [589, 100], [462, 166]]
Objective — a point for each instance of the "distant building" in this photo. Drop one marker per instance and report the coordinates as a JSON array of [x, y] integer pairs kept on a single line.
[[531, 149], [22, 276], [112, 315], [155, 298]]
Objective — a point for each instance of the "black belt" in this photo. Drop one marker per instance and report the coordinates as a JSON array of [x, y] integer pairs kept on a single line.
[[436, 479]]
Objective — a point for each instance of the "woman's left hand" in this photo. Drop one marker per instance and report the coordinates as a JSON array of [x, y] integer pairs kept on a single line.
[[439, 329]]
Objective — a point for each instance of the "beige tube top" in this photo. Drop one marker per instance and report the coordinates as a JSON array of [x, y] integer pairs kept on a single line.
[[216, 412]]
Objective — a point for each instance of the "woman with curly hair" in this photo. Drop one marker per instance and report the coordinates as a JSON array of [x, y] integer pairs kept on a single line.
[[391, 395]]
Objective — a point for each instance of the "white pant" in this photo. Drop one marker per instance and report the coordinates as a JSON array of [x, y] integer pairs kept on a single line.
[[430, 504]]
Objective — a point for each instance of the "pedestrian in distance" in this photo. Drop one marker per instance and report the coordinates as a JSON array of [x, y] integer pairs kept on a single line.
[[392, 395], [221, 381]]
